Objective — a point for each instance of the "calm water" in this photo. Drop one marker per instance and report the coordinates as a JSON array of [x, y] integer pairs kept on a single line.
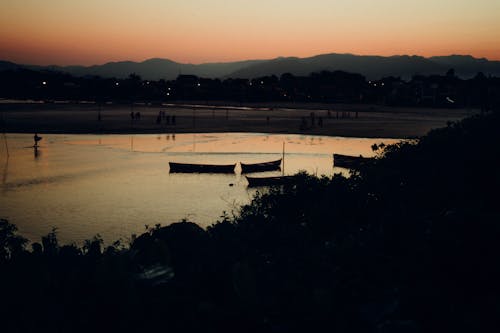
[[113, 185]]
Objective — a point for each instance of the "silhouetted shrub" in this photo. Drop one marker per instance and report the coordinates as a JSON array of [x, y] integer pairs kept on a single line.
[[11, 244]]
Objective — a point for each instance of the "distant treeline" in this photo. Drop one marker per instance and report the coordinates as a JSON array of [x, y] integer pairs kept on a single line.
[[410, 243], [324, 87]]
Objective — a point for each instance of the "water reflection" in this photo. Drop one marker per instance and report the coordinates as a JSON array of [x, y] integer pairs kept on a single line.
[[114, 184], [36, 152]]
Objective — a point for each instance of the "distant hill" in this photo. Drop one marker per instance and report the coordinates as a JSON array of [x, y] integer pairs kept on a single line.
[[467, 65], [372, 67], [7, 65], [153, 69]]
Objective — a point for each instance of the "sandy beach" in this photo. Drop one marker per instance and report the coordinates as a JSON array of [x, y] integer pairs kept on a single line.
[[336, 120]]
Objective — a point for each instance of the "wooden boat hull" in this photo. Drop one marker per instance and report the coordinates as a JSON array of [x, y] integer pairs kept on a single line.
[[349, 162], [260, 167], [269, 181], [200, 168]]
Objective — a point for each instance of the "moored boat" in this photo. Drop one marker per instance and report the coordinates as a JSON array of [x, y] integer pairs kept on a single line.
[[201, 168], [349, 162], [260, 167], [269, 181]]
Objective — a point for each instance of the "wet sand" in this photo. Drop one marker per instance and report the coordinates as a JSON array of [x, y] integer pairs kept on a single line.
[[337, 120]]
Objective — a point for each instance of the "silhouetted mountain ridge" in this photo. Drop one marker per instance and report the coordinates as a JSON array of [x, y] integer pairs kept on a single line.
[[468, 65], [7, 65], [151, 69], [372, 67]]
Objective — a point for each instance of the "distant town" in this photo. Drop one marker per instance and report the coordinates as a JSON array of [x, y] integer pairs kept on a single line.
[[447, 90]]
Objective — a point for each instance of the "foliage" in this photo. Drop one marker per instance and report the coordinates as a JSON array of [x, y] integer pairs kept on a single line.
[[11, 244]]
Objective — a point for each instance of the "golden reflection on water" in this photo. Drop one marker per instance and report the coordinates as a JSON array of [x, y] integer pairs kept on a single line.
[[237, 143], [113, 185]]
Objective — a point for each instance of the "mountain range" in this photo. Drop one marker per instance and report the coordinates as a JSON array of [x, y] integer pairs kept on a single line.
[[372, 67]]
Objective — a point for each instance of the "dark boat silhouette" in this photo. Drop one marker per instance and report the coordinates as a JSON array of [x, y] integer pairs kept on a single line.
[[259, 167], [349, 162], [269, 181], [201, 168]]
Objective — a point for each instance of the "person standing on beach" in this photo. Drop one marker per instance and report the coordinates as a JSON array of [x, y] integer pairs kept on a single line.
[[36, 138]]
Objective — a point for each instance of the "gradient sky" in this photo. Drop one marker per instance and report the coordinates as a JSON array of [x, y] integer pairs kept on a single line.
[[90, 32]]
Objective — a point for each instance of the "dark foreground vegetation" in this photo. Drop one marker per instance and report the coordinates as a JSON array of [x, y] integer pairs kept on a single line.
[[411, 243]]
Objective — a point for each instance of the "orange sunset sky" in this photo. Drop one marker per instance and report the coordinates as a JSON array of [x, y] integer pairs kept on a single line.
[[90, 32]]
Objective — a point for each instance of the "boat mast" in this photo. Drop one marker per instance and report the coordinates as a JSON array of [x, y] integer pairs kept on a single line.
[[2, 122], [6, 145], [283, 158]]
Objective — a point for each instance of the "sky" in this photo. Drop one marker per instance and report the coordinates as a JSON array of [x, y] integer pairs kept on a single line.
[[75, 32]]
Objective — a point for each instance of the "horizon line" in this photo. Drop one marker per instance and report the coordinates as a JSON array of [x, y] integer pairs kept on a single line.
[[255, 59]]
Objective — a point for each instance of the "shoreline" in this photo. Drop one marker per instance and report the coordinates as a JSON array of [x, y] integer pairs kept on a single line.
[[351, 120]]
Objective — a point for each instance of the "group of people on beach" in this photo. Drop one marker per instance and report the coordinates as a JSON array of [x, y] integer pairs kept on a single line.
[[135, 116], [304, 124], [168, 119]]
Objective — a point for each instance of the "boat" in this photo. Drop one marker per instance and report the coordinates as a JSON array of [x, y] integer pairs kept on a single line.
[[201, 168], [259, 167], [349, 162], [269, 181]]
